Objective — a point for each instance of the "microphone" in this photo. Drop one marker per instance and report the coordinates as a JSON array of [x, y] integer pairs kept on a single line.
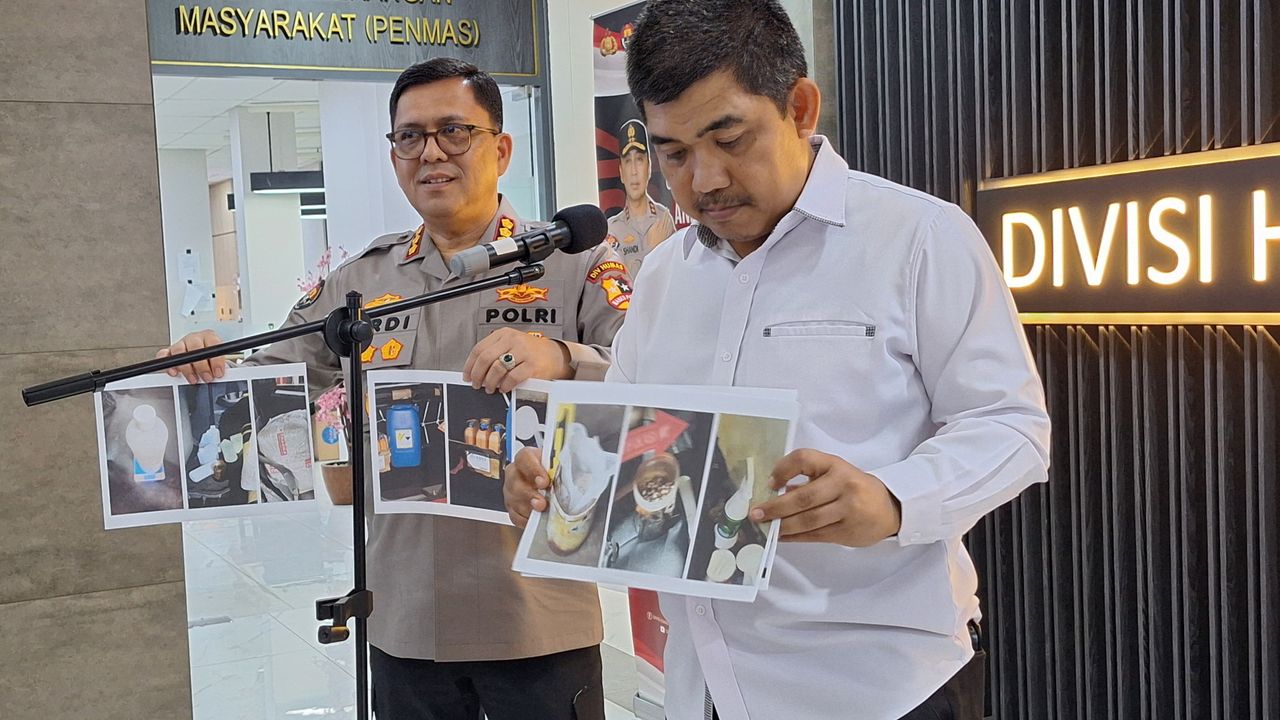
[[572, 230]]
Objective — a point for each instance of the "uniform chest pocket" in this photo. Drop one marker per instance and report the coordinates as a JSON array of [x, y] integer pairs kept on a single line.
[[390, 349], [821, 329], [394, 337]]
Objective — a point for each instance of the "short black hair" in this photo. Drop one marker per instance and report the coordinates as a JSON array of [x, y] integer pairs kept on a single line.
[[679, 42], [443, 68]]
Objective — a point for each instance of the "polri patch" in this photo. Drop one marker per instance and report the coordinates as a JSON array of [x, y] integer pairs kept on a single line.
[[523, 294], [613, 279], [383, 299]]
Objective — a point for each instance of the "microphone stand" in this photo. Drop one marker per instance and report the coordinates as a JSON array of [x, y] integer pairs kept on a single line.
[[347, 332]]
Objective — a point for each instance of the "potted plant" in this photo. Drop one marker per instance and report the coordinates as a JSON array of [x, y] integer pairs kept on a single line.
[[330, 408]]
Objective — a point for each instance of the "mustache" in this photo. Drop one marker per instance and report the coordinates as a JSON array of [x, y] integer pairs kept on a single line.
[[721, 199]]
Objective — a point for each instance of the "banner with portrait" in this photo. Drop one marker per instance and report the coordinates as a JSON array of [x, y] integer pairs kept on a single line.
[[633, 194]]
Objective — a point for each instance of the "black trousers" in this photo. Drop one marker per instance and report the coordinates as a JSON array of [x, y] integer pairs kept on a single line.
[[960, 698], [563, 686]]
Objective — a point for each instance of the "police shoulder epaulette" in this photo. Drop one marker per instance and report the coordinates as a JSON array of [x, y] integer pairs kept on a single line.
[[388, 240]]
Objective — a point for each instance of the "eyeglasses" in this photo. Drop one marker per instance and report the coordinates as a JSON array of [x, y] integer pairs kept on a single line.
[[452, 139]]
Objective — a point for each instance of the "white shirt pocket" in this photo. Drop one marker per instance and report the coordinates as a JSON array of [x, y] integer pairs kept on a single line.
[[821, 328], [840, 359]]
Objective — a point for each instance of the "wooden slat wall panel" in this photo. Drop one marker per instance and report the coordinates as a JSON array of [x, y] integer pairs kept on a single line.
[[1143, 581], [940, 94]]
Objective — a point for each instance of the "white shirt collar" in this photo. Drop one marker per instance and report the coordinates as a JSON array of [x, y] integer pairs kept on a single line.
[[822, 199]]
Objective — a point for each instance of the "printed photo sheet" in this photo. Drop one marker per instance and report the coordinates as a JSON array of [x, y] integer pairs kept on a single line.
[[440, 447], [651, 486], [170, 451]]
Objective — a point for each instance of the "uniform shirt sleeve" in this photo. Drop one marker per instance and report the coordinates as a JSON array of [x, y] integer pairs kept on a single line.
[[662, 229], [987, 400], [323, 368], [622, 369], [598, 322]]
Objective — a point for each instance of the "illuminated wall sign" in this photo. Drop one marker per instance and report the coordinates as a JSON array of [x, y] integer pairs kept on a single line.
[[343, 38], [1196, 236]]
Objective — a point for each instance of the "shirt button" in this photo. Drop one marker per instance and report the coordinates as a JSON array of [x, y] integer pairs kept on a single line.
[[915, 537], [744, 278], [700, 609], [726, 356]]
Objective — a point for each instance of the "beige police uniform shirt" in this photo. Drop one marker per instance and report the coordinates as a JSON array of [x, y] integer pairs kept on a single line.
[[633, 236], [443, 587]]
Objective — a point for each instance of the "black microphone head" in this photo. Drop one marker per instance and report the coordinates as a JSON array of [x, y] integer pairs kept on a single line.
[[587, 227]]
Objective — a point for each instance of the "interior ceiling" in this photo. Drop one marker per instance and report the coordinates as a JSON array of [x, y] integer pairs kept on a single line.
[[194, 114]]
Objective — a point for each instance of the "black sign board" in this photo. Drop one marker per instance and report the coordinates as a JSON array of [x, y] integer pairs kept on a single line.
[[1195, 235], [350, 39]]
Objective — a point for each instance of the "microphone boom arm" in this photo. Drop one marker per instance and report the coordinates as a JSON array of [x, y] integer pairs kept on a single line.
[[347, 332], [96, 380]]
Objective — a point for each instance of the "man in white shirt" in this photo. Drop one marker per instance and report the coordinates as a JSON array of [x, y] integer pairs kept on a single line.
[[921, 409]]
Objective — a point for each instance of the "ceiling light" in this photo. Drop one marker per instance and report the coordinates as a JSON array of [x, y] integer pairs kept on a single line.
[[284, 182], [311, 201]]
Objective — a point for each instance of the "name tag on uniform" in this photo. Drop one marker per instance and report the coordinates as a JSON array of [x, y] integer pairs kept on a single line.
[[394, 338]]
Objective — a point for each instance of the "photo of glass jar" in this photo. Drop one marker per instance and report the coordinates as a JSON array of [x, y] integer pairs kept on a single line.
[[583, 468], [664, 456]]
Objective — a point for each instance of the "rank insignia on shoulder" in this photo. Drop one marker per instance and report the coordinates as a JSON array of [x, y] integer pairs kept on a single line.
[[415, 245], [311, 297], [506, 228]]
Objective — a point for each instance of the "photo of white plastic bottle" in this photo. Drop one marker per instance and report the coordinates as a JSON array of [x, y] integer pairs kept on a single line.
[[146, 437]]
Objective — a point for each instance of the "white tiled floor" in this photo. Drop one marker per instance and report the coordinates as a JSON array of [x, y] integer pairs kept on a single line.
[[252, 584]]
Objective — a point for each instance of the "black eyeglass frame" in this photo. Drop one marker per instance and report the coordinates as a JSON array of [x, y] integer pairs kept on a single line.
[[428, 134]]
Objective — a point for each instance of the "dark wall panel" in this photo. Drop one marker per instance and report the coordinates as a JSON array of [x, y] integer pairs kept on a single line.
[[1143, 581]]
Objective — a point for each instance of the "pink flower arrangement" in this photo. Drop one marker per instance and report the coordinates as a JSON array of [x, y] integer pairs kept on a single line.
[[314, 278], [331, 407]]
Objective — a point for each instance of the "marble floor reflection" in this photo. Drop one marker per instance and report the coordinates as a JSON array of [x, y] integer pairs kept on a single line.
[[252, 584]]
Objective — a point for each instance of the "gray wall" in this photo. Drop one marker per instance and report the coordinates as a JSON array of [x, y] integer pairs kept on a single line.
[[94, 622]]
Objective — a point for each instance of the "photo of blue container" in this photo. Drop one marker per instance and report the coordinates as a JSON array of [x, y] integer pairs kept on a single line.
[[404, 429]]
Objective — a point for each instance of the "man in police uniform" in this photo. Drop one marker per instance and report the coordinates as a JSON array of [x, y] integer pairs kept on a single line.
[[454, 629], [642, 223]]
